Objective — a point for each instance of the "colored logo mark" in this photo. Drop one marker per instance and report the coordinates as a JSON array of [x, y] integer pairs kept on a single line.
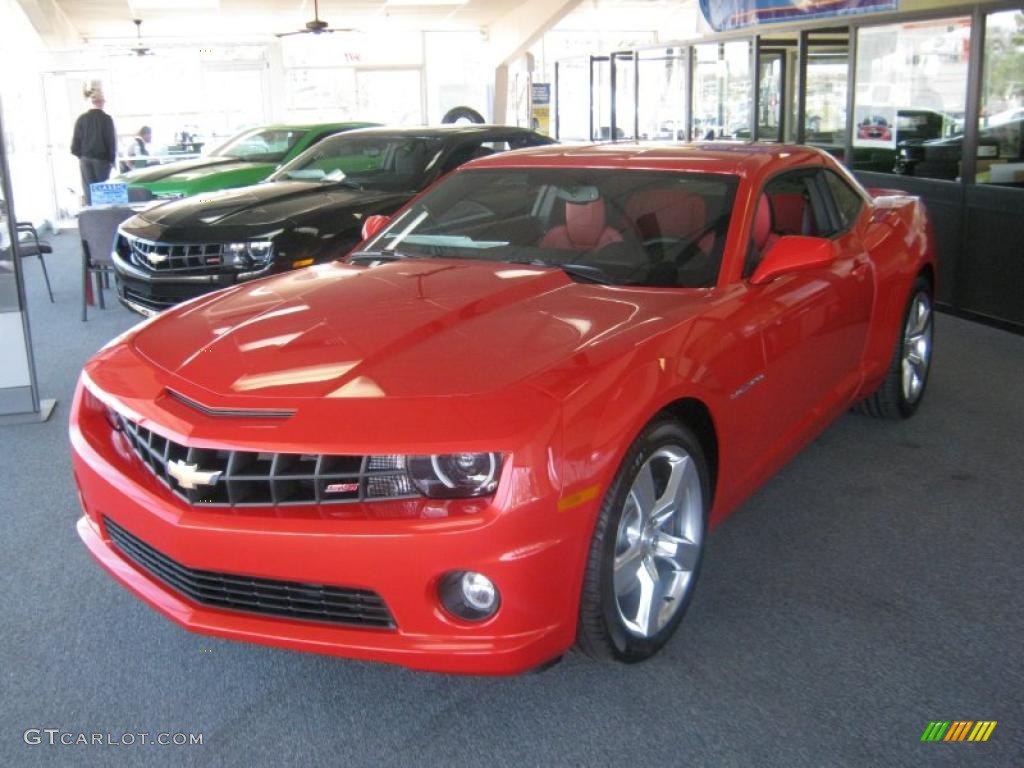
[[958, 730]]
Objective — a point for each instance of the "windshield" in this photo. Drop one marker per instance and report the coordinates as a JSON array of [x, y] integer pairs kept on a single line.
[[621, 227], [265, 145], [380, 162]]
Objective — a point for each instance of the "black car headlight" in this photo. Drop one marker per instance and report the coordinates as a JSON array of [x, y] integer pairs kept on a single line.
[[250, 254], [455, 475]]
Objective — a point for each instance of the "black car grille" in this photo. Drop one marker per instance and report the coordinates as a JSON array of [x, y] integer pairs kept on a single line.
[[172, 258], [260, 479], [291, 599]]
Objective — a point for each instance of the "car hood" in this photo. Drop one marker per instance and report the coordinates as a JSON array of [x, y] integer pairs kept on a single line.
[[189, 170], [272, 203], [411, 328]]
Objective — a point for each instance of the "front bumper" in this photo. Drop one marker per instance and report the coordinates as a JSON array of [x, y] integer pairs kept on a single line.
[[149, 294], [537, 567]]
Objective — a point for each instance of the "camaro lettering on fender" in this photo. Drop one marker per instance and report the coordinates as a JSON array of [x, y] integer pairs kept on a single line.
[[747, 387]]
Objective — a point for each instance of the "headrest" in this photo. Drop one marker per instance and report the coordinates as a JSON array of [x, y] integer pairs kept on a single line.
[[762, 222], [585, 223]]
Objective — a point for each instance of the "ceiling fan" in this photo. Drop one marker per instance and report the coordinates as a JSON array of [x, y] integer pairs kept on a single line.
[[139, 49], [315, 27]]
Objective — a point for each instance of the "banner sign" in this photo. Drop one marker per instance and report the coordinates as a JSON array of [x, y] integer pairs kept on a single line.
[[736, 14], [540, 107], [109, 193]]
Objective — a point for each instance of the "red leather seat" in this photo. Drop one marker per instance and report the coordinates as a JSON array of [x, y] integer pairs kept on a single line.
[[585, 229], [789, 212], [764, 237], [666, 213]]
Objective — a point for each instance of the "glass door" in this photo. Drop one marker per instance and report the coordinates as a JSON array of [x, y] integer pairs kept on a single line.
[[572, 100], [600, 98], [771, 94], [624, 116], [661, 95], [826, 75]]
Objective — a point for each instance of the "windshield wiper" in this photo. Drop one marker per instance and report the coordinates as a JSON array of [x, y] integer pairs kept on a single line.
[[348, 183], [378, 256], [587, 272]]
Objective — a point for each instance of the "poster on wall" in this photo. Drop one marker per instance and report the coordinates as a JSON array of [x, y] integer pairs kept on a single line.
[[874, 126], [736, 14], [540, 107]]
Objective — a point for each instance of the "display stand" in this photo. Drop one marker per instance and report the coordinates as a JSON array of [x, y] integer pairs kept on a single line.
[[19, 393]]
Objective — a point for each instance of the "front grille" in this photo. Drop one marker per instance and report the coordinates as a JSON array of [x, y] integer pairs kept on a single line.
[[172, 258], [291, 599], [259, 478]]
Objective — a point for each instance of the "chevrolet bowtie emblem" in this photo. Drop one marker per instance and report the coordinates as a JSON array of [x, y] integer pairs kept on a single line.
[[189, 475], [156, 258]]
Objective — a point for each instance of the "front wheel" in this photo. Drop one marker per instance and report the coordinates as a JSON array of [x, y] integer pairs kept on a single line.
[[903, 387], [647, 546]]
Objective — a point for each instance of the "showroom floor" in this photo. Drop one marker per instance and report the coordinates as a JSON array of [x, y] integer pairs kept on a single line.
[[873, 586]]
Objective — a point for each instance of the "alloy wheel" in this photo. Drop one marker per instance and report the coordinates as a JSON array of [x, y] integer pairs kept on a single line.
[[658, 542], [917, 348]]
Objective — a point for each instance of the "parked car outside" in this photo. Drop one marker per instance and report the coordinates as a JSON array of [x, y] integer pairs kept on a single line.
[[309, 211], [506, 424], [244, 159]]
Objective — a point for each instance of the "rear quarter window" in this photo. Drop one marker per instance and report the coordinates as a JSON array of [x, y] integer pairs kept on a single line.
[[848, 202]]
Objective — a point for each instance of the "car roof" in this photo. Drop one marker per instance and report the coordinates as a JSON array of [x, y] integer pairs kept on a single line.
[[310, 126], [744, 159], [452, 129]]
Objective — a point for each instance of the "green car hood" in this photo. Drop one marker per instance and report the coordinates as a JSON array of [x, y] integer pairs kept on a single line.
[[203, 174]]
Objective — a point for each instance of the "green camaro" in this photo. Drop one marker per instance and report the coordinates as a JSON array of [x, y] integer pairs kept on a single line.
[[245, 159]]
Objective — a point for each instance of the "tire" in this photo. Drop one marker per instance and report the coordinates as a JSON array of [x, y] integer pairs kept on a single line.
[[462, 114], [902, 390], [613, 625]]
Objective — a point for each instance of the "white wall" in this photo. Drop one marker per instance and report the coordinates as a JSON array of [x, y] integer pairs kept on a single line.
[[22, 59]]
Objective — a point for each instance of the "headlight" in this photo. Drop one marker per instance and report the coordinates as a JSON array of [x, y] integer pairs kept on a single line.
[[455, 475], [254, 253]]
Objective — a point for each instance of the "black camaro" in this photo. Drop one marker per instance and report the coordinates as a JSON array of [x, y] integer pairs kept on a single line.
[[311, 210]]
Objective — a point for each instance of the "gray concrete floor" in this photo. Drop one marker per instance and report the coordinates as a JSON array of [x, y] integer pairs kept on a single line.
[[874, 585]]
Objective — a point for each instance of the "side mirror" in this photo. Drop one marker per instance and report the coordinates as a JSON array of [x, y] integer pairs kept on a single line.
[[793, 253], [374, 224]]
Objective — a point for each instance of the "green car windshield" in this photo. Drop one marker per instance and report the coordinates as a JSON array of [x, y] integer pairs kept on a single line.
[[263, 145], [385, 162]]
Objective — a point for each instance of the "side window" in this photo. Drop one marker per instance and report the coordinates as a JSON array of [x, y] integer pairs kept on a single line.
[[469, 151], [790, 204], [848, 202]]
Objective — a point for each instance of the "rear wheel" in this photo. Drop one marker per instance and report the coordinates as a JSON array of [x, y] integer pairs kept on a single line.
[[647, 546], [903, 388]]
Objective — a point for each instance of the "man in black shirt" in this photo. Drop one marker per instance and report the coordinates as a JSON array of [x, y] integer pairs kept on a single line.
[[94, 143]]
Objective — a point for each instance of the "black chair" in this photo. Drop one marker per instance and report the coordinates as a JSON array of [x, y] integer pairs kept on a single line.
[[29, 244], [97, 228]]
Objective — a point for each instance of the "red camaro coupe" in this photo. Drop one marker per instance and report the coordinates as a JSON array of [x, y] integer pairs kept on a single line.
[[504, 425]]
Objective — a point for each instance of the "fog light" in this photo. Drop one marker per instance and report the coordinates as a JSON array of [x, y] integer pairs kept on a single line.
[[469, 595]]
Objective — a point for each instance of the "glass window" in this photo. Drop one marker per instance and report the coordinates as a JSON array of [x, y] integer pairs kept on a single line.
[[1001, 129], [848, 202], [573, 99], [770, 96], [722, 91], [662, 94], [825, 121], [262, 145], [911, 96], [622, 227], [366, 162]]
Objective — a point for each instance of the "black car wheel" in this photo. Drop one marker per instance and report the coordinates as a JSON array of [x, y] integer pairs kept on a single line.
[[647, 546], [903, 388]]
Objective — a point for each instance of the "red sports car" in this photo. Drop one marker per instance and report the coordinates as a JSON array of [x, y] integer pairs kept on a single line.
[[505, 425]]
